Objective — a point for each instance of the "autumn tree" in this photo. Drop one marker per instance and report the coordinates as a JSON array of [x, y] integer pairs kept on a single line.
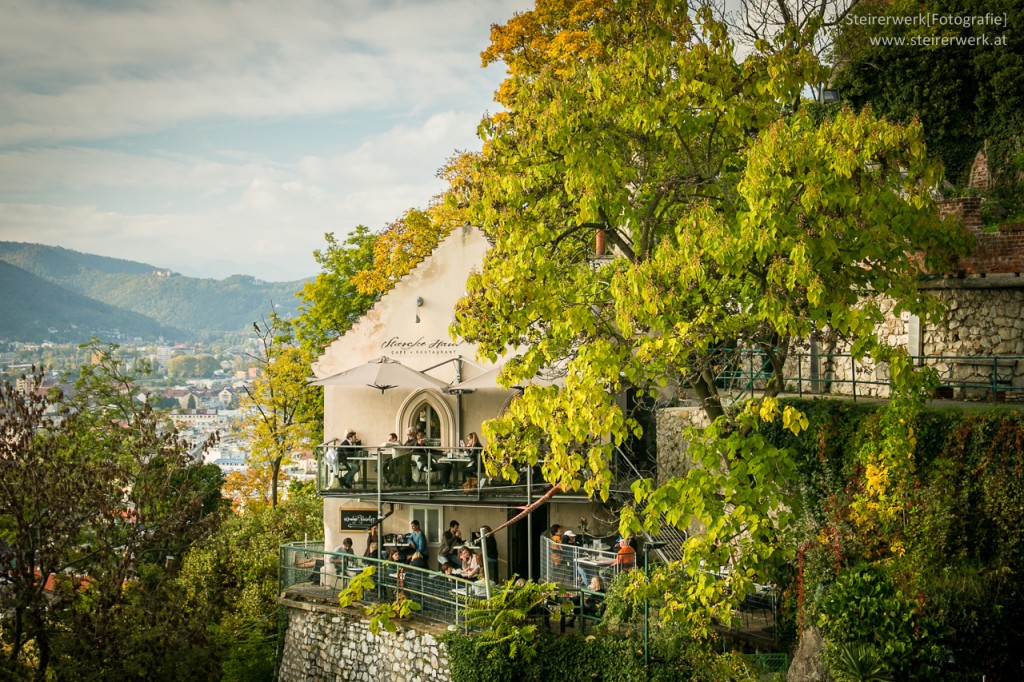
[[95, 493], [732, 220], [404, 243], [276, 404]]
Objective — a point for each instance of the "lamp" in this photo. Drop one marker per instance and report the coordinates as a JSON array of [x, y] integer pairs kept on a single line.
[[419, 303], [828, 96]]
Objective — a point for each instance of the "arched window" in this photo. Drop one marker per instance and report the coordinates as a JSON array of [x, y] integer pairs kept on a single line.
[[431, 414], [427, 420]]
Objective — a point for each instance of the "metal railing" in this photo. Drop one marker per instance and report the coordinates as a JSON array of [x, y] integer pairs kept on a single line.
[[964, 377], [359, 469], [443, 598], [574, 566]]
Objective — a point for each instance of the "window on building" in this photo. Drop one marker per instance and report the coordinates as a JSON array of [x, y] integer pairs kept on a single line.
[[426, 419], [430, 522]]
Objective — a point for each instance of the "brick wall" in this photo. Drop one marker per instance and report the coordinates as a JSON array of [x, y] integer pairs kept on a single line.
[[999, 252]]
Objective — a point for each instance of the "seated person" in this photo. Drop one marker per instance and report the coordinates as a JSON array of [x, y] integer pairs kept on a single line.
[[398, 469], [425, 457], [417, 540], [315, 563], [344, 453], [625, 557], [450, 540], [471, 569], [342, 562], [472, 449], [418, 560], [557, 559], [592, 603]]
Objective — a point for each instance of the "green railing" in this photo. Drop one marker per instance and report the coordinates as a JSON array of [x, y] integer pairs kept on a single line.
[[443, 598], [964, 377]]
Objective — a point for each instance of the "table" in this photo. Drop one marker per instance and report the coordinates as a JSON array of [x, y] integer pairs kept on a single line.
[[458, 465], [589, 566], [364, 467]]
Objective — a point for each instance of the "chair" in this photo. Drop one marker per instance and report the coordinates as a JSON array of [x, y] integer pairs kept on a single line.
[[419, 470]]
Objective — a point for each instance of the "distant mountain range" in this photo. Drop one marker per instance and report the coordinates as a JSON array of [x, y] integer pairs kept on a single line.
[[49, 292]]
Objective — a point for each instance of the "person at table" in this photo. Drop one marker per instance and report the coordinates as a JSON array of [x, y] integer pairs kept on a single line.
[[344, 452], [341, 562], [625, 555], [592, 601], [417, 540], [557, 558], [425, 455], [472, 448], [451, 540], [392, 441], [315, 563], [398, 470], [471, 569]]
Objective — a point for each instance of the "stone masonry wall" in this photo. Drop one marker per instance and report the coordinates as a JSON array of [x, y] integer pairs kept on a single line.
[[672, 446], [327, 643]]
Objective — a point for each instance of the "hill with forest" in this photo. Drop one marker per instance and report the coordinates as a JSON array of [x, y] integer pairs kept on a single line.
[[34, 309], [171, 301]]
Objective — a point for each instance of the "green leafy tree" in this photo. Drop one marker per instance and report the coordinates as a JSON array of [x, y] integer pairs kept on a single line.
[[274, 404], [229, 582], [332, 302], [40, 519], [92, 503], [731, 219], [963, 94]]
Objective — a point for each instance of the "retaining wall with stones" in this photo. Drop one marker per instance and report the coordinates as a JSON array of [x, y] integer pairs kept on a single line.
[[330, 643]]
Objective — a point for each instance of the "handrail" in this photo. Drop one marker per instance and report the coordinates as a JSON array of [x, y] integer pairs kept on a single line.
[[443, 598], [996, 376]]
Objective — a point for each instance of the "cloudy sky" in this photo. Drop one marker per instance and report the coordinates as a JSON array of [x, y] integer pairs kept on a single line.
[[221, 137]]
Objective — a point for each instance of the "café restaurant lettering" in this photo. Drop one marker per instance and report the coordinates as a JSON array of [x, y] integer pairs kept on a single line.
[[422, 345]]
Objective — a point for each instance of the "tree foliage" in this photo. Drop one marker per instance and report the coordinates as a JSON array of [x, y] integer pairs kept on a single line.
[[404, 243], [95, 494], [278, 404], [963, 94], [229, 581], [734, 220], [331, 303]]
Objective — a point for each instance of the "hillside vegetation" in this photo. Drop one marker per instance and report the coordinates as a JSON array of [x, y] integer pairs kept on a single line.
[[168, 299], [33, 306]]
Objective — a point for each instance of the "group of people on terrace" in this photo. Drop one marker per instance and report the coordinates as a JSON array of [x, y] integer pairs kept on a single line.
[[455, 555], [584, 565], [342, 460]]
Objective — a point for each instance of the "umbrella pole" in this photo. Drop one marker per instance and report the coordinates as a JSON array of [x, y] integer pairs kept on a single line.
[[458, 401], [380, 507]]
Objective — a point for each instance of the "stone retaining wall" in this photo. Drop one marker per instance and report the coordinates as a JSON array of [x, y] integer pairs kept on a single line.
[[329, 643]]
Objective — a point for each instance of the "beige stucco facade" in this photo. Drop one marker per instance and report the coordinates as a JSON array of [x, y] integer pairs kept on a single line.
[[410, 324]]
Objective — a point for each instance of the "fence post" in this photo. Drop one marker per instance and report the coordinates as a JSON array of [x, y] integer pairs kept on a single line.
[[799, 375], [853, 375]]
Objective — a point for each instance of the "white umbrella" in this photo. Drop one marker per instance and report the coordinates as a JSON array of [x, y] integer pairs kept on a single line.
[[489, 380], [382, 374]]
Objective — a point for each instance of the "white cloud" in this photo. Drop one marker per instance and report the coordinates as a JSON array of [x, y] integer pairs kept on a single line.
[[73, 72], [255, 216], [102, 111]]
